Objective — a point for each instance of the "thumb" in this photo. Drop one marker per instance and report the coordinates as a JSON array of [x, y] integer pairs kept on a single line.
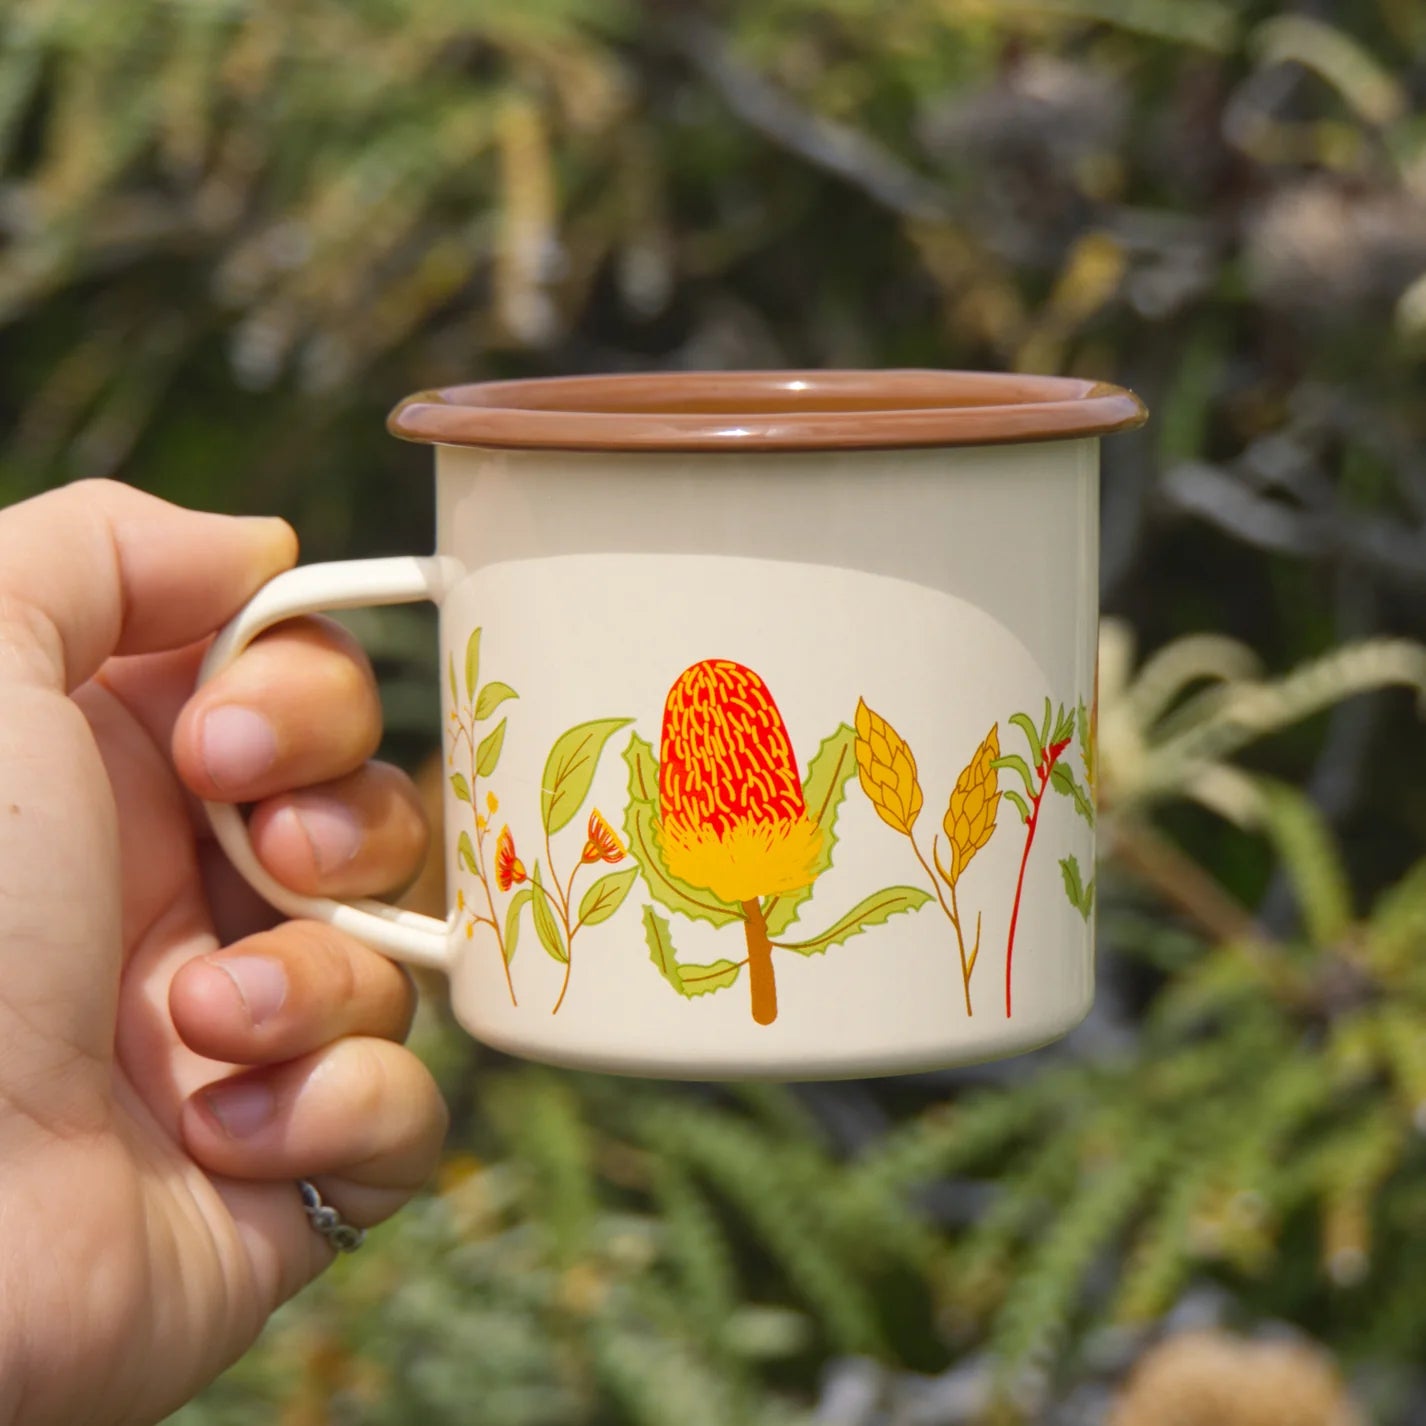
[[99, 568]]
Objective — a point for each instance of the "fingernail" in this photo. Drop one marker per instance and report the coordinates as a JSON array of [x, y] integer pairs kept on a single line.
[[241, 1108], [261, 982], [331, 829], [237, 746]]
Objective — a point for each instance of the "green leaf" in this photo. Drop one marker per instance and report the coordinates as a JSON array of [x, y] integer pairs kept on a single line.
[[1026, 724], [570, 767], [832, 767], [704, 979], [460, 786], [465, 852], [472, 663], [1083, 721], [1081, 897], [1045, 723], [690, 980], [1064, 725], [1062, 779], [455, 691], [1311, 860], [879, 907], [546, 927], [1019, 802], [518, 902], [488, 753], [1017, 764], [491, 697], [641, 828], [605, 897]]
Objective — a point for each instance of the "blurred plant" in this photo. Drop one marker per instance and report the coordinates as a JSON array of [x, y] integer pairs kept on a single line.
[[232, 234]]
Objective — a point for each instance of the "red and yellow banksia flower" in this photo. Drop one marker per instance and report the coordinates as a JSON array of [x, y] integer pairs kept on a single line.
[[733, 819]]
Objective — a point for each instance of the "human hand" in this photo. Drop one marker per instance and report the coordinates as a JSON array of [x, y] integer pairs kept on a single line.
[[173, 1057]]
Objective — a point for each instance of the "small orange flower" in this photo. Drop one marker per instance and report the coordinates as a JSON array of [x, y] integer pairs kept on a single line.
[[460, 899], [603, 844], [480, 822], [509, 869], [492, 803]]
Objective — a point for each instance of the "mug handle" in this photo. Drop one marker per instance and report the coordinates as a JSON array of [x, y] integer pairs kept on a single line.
[[344, 584]]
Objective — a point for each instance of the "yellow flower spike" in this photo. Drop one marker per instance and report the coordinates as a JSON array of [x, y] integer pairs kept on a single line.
[[970, 817], [886, 768], [460, 900]]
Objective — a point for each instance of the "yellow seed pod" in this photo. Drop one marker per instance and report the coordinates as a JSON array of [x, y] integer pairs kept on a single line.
[[970, 818], [886, 768]]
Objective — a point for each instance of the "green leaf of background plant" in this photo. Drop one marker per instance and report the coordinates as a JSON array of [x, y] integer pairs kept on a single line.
[[546, 927], [1026, 724], [465, 853], [460, 786], [605, 897], [1311, 860], [690, 980], [832, 767], [472, 663], [1016, 763], [518, 902], [570, 768], [491, 697], [488, 753], [875, 909], [640, 827]]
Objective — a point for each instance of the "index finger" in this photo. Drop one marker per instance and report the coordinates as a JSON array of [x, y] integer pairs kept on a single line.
[[98, 568]]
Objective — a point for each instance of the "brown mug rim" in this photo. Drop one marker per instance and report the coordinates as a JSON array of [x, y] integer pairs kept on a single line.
[[775, 410]]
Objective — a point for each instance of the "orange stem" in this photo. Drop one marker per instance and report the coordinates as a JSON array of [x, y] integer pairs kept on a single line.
[[762, 985]]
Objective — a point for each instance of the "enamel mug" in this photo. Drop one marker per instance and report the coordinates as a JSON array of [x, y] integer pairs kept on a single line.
[[769, 716]]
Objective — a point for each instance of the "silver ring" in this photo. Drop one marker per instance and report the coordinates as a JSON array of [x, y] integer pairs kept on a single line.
[[328, 1222]]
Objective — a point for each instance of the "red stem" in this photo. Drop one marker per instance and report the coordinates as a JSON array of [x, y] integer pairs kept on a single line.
[[1048, 766]]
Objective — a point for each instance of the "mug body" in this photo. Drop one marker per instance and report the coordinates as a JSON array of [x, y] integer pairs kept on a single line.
[[767, 761]]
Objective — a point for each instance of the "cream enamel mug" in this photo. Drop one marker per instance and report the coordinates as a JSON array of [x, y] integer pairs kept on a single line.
[[769, 709]]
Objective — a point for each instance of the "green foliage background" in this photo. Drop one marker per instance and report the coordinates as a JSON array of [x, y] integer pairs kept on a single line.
[[233, 232]]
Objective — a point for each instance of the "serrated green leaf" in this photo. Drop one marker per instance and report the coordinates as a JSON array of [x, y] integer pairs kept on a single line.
[[640, 824], [1016, 763], [1019, 802], [660, 943], [518, 902], [472, 663], [546, 927], [875, 909], [605, 897], [833, 765], [690, 980], [491, 697], [570, 768], [1082, 720], [465, 853], [487, 755], [701, 979], [1081, 897], [460, 787], [1026, 724]]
